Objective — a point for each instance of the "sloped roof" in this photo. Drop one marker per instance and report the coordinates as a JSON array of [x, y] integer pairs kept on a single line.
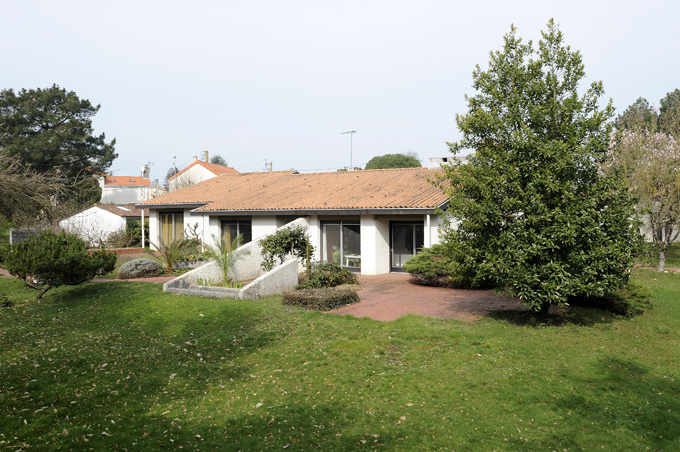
[[212, 167], [126, 180], [402, 188], [123, 210]]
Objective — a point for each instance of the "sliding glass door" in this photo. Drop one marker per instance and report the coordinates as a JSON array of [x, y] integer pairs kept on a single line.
[[407, 237], [341, 243]]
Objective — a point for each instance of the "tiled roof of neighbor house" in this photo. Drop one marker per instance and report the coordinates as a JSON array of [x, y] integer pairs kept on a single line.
[[126, 180], [123, 210], [212, 167], [403, 188]]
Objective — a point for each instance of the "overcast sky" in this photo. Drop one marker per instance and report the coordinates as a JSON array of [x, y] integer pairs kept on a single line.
[[281, 79]]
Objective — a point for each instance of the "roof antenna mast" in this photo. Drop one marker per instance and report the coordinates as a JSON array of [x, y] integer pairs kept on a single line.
[[351, 132]]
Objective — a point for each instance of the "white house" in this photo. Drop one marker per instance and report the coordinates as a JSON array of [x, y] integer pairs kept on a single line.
[[197, 171], [370, 221], [125, 189], [101, 220]]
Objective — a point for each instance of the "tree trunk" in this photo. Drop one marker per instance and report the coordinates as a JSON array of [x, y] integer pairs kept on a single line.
[[662, 259], [43, 290], [545, 308]]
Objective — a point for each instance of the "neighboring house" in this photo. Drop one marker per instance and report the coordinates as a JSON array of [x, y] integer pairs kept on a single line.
[[197, 171], [98, 222], [125, 189], [371, 221]]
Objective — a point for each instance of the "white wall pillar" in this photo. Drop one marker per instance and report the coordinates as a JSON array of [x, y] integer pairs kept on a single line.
[[375, 248]]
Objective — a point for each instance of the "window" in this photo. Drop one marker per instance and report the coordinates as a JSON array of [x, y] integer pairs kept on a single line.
[[172, 226], [341, 243], [232, 228]]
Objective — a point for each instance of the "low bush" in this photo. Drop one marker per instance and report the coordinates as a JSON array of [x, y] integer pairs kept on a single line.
[[446, 266], [320, 275], [633, 299], [52, 260], [286, 241], [320, 299]]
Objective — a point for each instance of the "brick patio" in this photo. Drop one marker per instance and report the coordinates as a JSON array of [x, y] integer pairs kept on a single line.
[[388, 297]]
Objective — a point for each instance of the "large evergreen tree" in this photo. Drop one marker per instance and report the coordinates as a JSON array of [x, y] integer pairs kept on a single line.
[[537, 213], [50, 130]]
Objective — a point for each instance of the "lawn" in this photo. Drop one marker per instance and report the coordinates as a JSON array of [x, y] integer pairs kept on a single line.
[[118, 365]]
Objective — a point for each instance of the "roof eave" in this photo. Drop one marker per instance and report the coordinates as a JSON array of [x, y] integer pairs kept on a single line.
[[193, 205], [369, 211]]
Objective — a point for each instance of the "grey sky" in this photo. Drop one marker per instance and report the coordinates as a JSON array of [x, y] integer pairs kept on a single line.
[[280, 80]]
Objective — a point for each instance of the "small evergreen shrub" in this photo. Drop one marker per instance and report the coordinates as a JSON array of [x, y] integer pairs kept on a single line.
[[631, 300], [320, 299], [4, 301], [326, 274], [52, 260], [634, 299]]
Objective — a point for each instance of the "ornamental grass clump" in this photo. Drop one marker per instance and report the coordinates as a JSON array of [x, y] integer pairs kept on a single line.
[[226, 257]]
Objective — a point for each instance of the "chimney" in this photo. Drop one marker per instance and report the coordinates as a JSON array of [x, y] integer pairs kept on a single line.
[[195, 158], [206, 157], [145, 173]]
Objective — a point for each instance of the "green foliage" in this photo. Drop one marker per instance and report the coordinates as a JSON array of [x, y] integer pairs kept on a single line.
[[174, 251], [50, 260], [130, 237], [321, 275], [226, 256], [633, 299], [640, 116], [393, 161], [320, 299], [217, 159], [537, 214], [444, 265], [287, 241], [51, 129]]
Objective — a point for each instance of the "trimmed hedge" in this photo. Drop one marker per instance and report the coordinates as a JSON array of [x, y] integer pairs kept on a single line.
[[326, 274], [320, 299]]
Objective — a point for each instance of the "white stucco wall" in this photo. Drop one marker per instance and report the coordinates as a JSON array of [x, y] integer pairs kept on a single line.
[[93, 225], [117, 194], [193, 175], [263, 225]]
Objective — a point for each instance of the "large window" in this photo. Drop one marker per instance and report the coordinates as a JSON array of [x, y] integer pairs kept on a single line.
[[172, 226], [407, 238], [232, 228], [341, 243]]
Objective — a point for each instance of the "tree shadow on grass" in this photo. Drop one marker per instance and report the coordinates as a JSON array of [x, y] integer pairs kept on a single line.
[[100, 357], [579, 316]]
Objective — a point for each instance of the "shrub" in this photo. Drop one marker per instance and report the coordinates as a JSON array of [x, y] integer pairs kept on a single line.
[[290, 241], [633, 299], [326, 274], [320, 299], [437, 266], [174, 251], [51, 260]]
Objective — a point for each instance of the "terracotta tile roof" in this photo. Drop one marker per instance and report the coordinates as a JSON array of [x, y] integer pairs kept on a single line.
[[126, 180], [123, 210], [403, 188], [212, 167]]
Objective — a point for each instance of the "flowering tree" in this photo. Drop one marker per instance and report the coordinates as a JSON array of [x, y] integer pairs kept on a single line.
[[652, 163]]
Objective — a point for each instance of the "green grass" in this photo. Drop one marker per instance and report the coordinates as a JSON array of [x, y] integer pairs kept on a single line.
[[119, 366], [651, 256]]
